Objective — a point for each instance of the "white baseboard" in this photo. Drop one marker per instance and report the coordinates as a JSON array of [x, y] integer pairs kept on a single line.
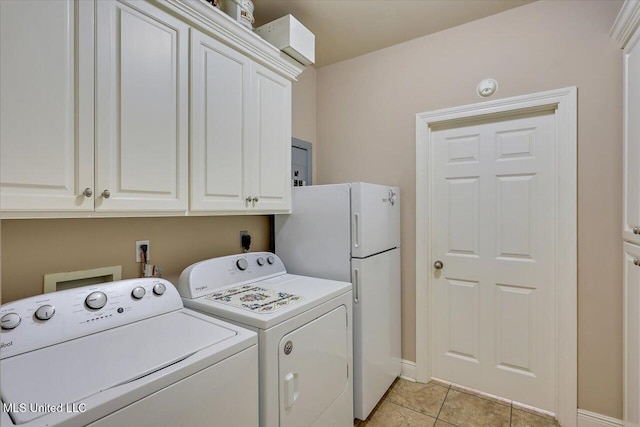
[[592, 419], [408, 370]]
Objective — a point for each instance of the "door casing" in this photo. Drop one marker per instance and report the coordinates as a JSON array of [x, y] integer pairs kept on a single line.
[[564, 103]]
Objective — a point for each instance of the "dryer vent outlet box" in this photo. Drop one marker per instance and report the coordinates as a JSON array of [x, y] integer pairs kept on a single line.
[[291, 37]]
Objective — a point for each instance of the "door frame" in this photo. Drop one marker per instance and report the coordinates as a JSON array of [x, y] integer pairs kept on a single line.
[[564, 103]]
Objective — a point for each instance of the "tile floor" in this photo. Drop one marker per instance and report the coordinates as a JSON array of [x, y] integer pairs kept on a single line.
[[438, 404]]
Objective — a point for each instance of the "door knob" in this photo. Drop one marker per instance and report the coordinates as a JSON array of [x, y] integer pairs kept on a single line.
[[106, 194], [636, 261], [438, 265], [87, 192]]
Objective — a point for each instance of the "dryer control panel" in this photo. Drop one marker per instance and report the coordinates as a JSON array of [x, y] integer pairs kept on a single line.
[[204, 277], [43, 320]]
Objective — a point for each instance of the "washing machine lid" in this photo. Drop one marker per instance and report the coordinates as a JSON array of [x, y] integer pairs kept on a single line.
[[75, 370], [300, 293]]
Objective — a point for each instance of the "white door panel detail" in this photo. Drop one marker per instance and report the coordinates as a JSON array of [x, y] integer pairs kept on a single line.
[[494, 226]]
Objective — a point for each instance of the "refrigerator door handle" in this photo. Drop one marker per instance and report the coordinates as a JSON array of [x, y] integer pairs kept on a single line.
[[356, 286], [356, 231]]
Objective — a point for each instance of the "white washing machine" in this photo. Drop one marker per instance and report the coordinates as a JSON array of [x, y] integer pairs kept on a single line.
[[304, 328], [123, 353]]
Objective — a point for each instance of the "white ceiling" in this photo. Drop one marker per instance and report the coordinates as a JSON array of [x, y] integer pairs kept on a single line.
[[345, 29]]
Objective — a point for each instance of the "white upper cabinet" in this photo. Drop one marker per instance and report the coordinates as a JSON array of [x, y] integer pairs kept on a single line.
[[271, 148], [220, 91], [632, 139], [46, 112], [626, 30], [136, 107], [141, 108], [240, 132]]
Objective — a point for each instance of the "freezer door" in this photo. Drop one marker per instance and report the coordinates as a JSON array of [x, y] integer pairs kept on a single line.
[[315, 240], [375, 217], [376, 328]]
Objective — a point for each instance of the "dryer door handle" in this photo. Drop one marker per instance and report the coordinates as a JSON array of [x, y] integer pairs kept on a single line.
[[290, 389]]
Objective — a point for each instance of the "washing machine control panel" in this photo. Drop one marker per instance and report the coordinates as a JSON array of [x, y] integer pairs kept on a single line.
[[204, 277], [44, 320]]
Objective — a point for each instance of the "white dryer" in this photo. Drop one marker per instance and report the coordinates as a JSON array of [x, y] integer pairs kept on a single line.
[[304, 328], [123, 353]]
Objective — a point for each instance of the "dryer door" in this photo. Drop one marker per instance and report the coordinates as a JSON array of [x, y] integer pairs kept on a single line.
[[313, 368]]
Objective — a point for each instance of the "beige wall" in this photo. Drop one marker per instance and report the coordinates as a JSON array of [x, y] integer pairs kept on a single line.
[[303, 115], [366, 131], [34, 247]]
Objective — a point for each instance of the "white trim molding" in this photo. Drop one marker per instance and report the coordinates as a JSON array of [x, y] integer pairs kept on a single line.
[[626, 23], [564, 103], [408, 370], [220, 26], [592, 419]]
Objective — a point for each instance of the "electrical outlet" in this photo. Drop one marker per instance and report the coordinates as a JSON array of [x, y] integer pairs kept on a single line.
[[139, 250], [243, 233]]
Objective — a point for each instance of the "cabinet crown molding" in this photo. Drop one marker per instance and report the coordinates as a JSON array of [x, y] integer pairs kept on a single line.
[[627, 21], [217, 24]]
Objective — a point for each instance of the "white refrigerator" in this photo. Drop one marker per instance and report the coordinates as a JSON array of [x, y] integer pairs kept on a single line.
[[351, 232]]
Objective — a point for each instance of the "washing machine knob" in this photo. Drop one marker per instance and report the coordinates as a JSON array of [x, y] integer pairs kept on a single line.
[[271, 259], [260, 261], [10, 320], [138, 292], [242, 264], [159, 289], [45, 312], [96, 300]]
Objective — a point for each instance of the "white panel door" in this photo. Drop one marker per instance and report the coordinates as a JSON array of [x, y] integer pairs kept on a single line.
[[315, 371], [271, 140], [494, 226], [632, 334], [141, 108], [46, 113], [376, 329], [632, 140], [220, 91]]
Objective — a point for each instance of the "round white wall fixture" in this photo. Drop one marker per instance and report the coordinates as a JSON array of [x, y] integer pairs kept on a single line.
[[487, 87]]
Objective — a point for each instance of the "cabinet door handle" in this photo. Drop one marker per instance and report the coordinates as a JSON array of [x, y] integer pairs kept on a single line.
[[636, 261], [87, 192], [248, 199], [106, 194], [636, 230], [255, 199]]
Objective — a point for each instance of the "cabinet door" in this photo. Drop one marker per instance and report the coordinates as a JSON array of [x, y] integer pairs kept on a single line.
[[220, 91], [271, 161], [632, 140], [632, 334], [46, 113], [141, 108]]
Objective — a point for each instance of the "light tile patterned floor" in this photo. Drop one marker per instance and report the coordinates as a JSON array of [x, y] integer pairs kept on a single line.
[[438, 404]]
